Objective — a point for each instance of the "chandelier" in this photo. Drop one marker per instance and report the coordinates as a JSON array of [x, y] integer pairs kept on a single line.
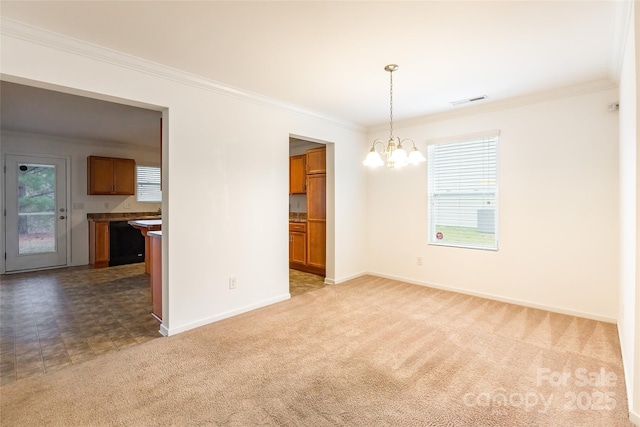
[[394, 152]]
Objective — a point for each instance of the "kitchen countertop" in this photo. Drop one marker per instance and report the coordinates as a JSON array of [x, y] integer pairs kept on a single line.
[[122, 216], [146, 222], [297, 217]]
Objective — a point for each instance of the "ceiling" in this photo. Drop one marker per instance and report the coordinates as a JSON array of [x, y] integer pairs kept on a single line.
[[329, 57], [34, 110]]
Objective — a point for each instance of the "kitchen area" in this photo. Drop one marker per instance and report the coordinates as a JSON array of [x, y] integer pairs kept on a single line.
[[307, 215], [101, 301], [120, 238]]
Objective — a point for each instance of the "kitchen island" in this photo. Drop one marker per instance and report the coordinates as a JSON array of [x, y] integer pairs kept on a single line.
[[145, 226], [100, 236], [156, 273]]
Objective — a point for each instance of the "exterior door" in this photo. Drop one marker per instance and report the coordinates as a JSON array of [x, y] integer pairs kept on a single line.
[[36, 212]]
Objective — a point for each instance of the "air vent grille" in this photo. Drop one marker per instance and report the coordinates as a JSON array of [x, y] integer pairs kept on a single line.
[[466, 101]]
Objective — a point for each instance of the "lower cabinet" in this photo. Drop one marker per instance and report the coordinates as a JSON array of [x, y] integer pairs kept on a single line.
[[297, 244], [99, 243], [298, 248]]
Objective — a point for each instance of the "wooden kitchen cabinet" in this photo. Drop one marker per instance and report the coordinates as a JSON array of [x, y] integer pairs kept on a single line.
[[298, 174], [99, 243], [317, 160], [111, 176], [316, 223], [297, 244]]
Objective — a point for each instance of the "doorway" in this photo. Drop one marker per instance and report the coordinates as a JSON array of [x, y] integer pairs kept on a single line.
[[36, 212], [307, 216]]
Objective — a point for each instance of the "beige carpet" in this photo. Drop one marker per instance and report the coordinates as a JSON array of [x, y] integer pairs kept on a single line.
[[370, 352]]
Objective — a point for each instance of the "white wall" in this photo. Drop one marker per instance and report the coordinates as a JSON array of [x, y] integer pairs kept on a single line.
[[78, 150], [558, 209], [225, 175], [629, 314]]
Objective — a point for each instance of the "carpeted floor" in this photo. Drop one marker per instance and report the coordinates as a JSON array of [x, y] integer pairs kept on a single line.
[[369, 352]]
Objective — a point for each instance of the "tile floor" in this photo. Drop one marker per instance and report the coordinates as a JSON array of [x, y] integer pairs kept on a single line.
[[56, 318], [301, 282]]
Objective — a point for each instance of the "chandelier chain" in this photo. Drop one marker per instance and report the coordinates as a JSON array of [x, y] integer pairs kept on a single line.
[[391, 105]]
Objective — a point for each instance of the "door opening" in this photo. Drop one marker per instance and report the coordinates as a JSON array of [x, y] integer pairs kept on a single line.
[[36, 218], [307, 216]]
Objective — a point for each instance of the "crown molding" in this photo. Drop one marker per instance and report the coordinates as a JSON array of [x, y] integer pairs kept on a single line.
[[622, 20], [26, 32], [504, 104]]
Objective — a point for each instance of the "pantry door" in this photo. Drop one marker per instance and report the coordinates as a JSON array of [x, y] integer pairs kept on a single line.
[[36, 212]]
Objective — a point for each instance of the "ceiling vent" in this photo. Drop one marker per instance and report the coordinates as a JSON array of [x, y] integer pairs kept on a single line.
[[466, 101]]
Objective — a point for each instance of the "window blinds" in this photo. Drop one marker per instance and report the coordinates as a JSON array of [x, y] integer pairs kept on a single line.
[[148, 184], [463, 188]]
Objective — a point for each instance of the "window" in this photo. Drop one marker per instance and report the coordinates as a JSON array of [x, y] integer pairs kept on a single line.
[[463, 192], [148, 184]]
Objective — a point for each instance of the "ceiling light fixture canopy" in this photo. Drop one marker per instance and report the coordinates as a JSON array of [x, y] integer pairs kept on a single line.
[[396, 156]]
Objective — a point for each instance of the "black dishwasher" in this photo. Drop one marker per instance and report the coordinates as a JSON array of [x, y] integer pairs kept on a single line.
[[126, 244]]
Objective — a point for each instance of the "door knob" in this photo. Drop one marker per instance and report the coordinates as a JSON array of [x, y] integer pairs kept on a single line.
[[62, 217]]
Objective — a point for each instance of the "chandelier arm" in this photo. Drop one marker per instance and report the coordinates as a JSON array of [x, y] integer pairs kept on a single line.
[[408, 140], [374, 146]]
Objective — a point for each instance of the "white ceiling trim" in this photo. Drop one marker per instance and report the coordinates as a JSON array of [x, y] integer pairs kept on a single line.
[[622, 19], [22, 31], [519, 101]]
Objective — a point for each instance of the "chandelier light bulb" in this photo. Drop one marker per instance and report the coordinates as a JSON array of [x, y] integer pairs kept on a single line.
[[415, 156], [373, 159]]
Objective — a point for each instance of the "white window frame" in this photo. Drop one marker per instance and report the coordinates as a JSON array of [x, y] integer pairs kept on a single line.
[[138, 183], [431, 226]]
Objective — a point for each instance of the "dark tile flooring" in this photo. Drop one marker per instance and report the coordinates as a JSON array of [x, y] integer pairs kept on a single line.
[[56, 318]]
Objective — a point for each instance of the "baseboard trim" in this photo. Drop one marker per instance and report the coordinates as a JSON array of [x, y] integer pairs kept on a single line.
[[634, 417], [347, 278], [626, 372], [173, 331], [164, 331], [494, 297]]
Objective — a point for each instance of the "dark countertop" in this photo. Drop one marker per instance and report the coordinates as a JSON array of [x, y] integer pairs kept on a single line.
[[122, 216], [297, 217]]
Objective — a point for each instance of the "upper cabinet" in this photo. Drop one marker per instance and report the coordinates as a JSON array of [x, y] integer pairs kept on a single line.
[[297, 174], [317, 160], [109, 175]]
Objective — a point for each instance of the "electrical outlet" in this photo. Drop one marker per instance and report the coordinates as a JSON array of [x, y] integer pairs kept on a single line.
[[419, 260], [232, 282], [127, 205], [106, 205]]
